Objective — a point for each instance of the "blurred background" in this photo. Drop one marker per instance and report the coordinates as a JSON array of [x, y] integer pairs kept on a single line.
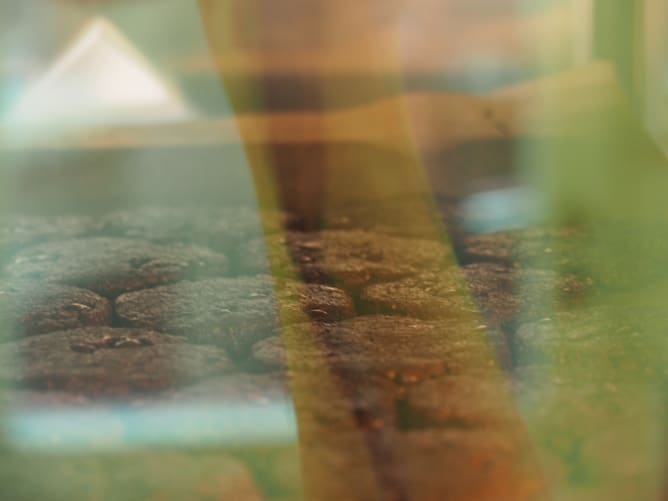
[[456, 45], [520, 112]]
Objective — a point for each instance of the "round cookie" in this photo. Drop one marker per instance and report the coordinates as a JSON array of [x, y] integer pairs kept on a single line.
[[17, 232], [404, 349], [320, 303], [503, 293], [489, 247], [110, 266], [255, 256], [104, 361], [227, 311], [554, 248], [227, 229], [428, 296], [24, 230], [29, 308], [509, 294], [270, 353], [349, 259], [232, 312]]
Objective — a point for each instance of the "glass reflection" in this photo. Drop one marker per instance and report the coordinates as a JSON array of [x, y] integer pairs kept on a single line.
[[332, 250]]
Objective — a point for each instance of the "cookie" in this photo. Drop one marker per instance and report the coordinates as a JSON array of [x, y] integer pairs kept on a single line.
[[428, 296], [509, 295], [110, 266], [538, 247], [321, 303], [29, 308], [105, 361], [231, 312], [227, 229], [502, 293], [348, 259], [270, 353], [18, 232], [401, 349], [489, 247]]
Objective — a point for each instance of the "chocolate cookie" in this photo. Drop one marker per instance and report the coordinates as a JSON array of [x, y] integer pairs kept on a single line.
[[103, 361], [256, 256], [429, 296], [110, 266], [231, 312], [402, 349], [489, 247], [321, 303], [227, 229], [349, 259], [553, 248], [270, 353], [508, 295], [504, 294], [28, 308], [17, 232]]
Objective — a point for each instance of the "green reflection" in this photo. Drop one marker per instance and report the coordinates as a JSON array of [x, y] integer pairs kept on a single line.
[[593, 374]]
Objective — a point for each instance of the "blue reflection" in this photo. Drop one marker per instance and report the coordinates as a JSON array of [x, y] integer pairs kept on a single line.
[[502, 209], [222, 424]]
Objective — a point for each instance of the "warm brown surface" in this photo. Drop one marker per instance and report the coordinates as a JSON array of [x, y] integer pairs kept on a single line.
[[435, 121], [376, 123], [379, 35]]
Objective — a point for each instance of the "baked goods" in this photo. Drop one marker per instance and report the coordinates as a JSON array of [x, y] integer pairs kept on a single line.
[[29, 308], [110, 266]]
